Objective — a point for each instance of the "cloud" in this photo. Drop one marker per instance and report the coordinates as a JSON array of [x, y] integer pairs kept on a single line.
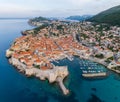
[[11, 7], [20, 8]]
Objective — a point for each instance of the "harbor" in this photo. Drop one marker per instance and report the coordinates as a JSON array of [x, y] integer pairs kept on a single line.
[[91, 70]]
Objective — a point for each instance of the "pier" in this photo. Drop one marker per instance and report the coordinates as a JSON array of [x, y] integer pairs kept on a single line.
[[62, 86], [91, 75]]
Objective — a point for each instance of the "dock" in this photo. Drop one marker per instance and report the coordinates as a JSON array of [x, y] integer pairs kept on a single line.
[[62, 86], [91, 75]]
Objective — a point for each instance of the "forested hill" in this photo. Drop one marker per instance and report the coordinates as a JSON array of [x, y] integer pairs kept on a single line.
[[110, 16]]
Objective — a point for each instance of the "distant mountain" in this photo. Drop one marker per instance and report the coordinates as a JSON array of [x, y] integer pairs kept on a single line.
[[79, 18], [38, 19], [110, 16]]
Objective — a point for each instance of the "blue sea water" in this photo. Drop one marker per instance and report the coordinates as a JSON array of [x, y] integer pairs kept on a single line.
[[15, 87]]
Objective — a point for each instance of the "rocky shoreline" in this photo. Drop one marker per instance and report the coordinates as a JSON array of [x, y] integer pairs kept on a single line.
[[33, 52], [56, 74]]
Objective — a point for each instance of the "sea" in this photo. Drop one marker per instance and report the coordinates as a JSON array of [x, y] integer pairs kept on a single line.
[[16, 87]]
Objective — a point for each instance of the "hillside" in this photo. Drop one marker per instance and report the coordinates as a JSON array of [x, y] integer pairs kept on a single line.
[[110, 16]]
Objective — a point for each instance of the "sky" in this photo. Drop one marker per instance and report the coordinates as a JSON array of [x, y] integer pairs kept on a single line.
[[53, 8]]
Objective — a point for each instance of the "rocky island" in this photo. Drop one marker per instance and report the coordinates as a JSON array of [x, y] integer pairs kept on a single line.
[[34, 52]]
